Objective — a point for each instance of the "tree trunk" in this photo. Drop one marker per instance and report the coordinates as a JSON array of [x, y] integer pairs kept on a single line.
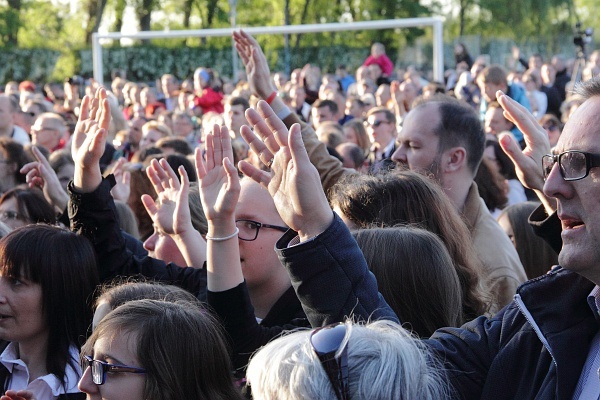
[[302, 22]]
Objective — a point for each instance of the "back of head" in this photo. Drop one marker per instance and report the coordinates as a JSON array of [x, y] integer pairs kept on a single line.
[[407, 197], [495, 74], [491, 185], [127, 220], [536, 255], [459, 127], [384, 363], [330, 133], [416, 276], [181, 347], [119, 293]]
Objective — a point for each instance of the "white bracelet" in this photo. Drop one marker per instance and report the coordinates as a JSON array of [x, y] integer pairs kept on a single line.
[[222, 239], [283, 113]]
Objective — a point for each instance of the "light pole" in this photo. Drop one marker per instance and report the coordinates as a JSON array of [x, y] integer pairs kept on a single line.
[[234, 55]]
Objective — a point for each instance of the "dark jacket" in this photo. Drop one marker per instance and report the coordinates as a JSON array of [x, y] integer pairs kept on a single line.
[[237, 315], [94, 216], [533, 348]]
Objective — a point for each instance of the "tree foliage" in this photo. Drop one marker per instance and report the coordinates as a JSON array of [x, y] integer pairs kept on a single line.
[[540, 24]]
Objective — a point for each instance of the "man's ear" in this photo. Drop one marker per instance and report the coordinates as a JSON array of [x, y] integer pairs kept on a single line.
[[454, 159]]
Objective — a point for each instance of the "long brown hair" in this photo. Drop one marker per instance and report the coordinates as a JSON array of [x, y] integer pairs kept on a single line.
[[415, 275], [406, 197]]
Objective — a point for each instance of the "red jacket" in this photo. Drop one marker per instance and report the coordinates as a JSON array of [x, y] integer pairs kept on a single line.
[[209, 101], [387, 67]]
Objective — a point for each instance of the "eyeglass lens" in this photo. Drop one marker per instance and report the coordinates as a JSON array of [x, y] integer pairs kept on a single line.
[[572, 164], [248, 229]]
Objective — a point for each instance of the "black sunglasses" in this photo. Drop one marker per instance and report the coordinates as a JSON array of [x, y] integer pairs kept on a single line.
[[330, 344], [100, 368], [376, 123]]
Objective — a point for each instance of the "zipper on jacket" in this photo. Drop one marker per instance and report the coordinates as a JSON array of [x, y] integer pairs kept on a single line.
[[523, 308]]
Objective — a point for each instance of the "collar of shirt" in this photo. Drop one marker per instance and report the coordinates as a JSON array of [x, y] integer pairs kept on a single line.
[[20, 373], [594, 302]]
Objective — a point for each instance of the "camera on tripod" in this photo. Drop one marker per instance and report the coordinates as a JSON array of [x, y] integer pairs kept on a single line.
[[582, 37]]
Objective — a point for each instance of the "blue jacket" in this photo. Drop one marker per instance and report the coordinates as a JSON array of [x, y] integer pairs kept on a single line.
[[534, 348]]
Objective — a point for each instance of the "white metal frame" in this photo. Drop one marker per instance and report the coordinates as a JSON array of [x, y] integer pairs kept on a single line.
[[435, 22]]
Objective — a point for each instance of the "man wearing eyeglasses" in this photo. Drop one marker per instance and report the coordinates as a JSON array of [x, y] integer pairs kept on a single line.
[[381, 127], [546, 343], [50, 131], [441, 138]]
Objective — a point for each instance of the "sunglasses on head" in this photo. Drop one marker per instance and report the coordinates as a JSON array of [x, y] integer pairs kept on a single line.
[[330, 344]]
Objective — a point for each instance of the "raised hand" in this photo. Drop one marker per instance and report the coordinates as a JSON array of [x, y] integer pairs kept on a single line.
[[528, 162], [219, 182], [88, 141], [40, 174], [269, 128], [122, 188], [293, 181], [219, 192], [257, 68], [170, 211]]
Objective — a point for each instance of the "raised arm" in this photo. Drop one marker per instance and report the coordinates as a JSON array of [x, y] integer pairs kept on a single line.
[[92, 210], [326, 255], [170, 212], [257, 69], [40, 174], [219, 192]]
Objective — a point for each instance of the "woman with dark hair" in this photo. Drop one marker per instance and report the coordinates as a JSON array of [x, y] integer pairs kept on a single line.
[[461, 54], [47, 278], [415, 275], [536, 255], [12, 158], [406, 197], [492, 186], [158, 350], [23, 206]]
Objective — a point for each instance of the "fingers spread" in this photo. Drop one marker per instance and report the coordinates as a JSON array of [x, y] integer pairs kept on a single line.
[[262, 130], [257, 175], [297, 149], [256, 145], [149, 205], [275, 124]]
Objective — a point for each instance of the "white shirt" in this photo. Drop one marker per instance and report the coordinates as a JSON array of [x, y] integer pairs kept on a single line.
[[44, 387], [19, 135], [588, 386]]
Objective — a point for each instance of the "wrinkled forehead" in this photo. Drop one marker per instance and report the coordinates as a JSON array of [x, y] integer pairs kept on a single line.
[[582, 130]]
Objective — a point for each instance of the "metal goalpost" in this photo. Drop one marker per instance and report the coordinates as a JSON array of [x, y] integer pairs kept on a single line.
[[435, 22]]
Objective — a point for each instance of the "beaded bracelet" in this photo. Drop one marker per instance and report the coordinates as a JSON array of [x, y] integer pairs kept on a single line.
[[222, 239]]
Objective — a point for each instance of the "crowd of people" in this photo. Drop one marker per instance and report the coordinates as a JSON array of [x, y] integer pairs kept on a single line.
[[327, 235]]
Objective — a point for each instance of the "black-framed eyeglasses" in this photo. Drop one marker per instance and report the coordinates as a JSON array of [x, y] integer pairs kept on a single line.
[[100, 368], [573, 164], [249, 229], [330, 344], [375, 124]]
